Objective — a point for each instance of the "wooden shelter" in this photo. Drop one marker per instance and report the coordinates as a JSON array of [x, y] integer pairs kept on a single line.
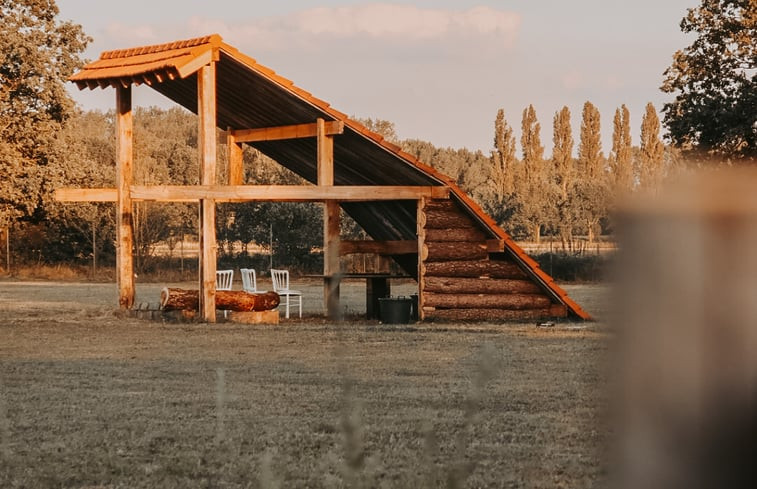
[[466, 266]]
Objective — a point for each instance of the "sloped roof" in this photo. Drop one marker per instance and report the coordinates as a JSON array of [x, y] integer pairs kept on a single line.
[[250, 95]]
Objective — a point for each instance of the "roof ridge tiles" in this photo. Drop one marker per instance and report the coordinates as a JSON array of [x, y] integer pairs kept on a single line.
[[213, 39]]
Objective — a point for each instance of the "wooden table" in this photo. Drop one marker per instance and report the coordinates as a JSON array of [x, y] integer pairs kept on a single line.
[[377, 285]]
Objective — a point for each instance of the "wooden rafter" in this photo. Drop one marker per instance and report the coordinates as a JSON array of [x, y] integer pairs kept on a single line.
[[295, 131], [404, 247]]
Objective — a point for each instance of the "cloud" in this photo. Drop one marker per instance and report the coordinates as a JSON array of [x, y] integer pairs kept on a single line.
[[377, 22], [407, 22]]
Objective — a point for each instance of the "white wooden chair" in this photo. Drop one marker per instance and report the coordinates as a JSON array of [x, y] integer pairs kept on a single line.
[[224, 278], [280, 279], [250, 281]]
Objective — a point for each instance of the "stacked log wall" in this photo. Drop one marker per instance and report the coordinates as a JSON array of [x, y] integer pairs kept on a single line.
[[461, 280]]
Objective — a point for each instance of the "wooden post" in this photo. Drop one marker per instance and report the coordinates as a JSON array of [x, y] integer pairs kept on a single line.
[[124, 176], [236, 160], [331, 270], [421, 231], [206, 110], [331, 210]]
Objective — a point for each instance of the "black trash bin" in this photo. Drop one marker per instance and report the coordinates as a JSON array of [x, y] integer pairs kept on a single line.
[[395, 310], [414, 307]]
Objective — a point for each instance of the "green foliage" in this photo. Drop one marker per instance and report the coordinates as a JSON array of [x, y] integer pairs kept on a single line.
[[575, 267], [620, 161], [652, 151], [590, 147], [533, 189], [715, 81], [37, 53], [503, 159], [563, 167], [85, 155]]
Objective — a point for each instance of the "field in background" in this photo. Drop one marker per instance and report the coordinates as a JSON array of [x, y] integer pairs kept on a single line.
[[88, 399]]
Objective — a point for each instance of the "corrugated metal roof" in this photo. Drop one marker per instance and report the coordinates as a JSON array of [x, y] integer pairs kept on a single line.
[[250, 95]]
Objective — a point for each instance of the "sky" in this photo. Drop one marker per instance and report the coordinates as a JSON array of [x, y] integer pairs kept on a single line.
[[438, 69]]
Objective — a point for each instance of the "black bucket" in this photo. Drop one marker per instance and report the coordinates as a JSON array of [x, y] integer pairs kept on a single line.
[[414, 307], [395, 310]]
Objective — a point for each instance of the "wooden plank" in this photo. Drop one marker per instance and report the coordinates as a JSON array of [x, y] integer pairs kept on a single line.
[[378, 247], [331, 271], [254, 317], [236, 160], [554, 311], [199, 62], [86, 195], [124, 176], [279, 193], [325, 154], [296, 131], [449, 251], [206, 111], [420, 245], [464, 285], [455, 234], [474, 268], [447, 219], [484, 301]]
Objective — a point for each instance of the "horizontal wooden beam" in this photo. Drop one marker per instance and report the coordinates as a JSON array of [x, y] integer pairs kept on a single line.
[[85, 195], [246, 193], [285, 132], [378, 247], [283, 193]]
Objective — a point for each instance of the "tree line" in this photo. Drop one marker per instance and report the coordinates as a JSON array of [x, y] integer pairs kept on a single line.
[[47, 143]]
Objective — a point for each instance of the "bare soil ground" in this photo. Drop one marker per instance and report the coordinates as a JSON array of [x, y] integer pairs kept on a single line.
[[91, 399]]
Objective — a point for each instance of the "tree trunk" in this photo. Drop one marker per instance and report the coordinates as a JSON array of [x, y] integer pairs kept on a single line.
[[477, 301], [445, 219], [461, 250], [458, 285], [554, 311], [94, 250], [230, 300], [476, 268], [457, 234], [441, 205]]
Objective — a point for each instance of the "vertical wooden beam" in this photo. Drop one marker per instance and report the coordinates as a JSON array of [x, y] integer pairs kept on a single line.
[[421, 231], [331, 271], [236, 160], [206, 110], [124, 177], [325, 154]]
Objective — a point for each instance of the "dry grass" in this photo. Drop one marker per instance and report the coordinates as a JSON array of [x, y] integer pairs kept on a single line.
[[91, 400]]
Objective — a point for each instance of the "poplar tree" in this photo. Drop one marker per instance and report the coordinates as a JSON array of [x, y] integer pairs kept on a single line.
[[591, 193], [563, 168], [532, 189], [652, 151], [503, 158], [562, 151], [621, 163], [590, 146]]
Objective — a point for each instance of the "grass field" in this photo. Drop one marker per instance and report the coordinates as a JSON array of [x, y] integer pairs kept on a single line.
[[89, 399]]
